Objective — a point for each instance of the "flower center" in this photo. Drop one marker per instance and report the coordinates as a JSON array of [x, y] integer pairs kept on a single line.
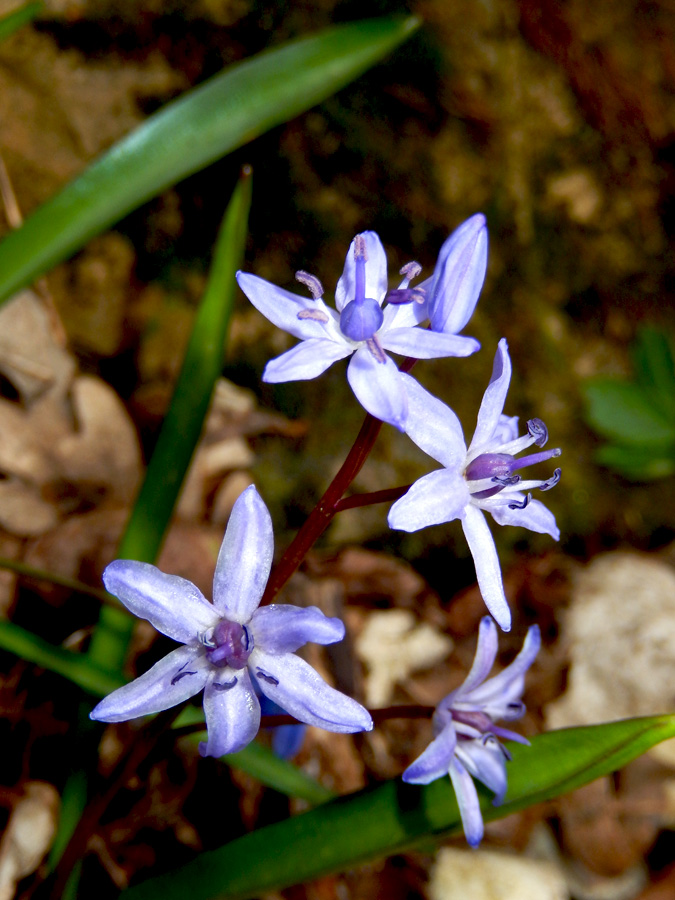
[[493, 472], [362, 316], [229, 645]]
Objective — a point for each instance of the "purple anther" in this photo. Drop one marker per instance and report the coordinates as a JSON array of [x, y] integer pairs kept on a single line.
[[475, 718], [506, 480], [538, 431], [317, 315], [224, 685], [522, 503], [232, 645], [376, 350], [400, 296], [552, 481], [270, 679], [311, 282], [177, 677]]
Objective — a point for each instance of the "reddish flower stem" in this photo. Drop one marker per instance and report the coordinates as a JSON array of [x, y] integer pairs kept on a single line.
[[370, 499], [320, 517]]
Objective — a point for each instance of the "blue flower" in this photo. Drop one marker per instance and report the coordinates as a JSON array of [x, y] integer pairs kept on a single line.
[[479, 478], [362, 329], [466, 740], [230, 645]]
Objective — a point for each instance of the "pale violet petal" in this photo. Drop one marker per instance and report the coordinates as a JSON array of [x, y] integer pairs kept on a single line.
[[486, 653], [378, 387], [283, 628], [173, 605], [486, 561], [438, 497], [506, 430], [306, 360], [484, 759], [535, 516], [376, 272], [404, 315], [420, 343], [459, 275], [245, 558], [436, 759], [498, 692], [296, 687], [175, 678], [489, 414], [232, 713], [282, 307], [467, 800], [433, 426]]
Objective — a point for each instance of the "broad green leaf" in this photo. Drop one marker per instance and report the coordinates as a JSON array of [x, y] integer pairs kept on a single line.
[[620, 410], [15, 20], [73, 666], [182, 426], [637, 463], [394, 816], [655, 369], [191, 132]]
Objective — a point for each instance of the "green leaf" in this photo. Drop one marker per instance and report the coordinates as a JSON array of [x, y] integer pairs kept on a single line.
[[182, 426], [206, 123], [621, 410], [655, 369], [394, 816], [15, 20], [637, 463], [73, 666]]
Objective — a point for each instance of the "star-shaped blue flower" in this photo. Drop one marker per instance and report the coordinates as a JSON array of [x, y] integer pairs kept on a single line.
[[466, 740], [362, 329], [478, 478], [231, 644]]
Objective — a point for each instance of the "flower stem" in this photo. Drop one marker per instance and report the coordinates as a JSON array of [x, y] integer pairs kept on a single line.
[[320, 517], [372, 497]]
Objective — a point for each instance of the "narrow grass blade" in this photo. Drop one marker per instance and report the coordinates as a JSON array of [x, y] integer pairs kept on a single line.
[[198, 128], [394, 816], [15, 20], [182, 426]]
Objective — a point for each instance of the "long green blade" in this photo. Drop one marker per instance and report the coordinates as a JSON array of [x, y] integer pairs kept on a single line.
[[396, 816], [203, 125], [182, 426], [15, 20]]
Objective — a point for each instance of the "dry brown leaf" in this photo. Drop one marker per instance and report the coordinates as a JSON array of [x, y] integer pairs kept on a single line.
[[28, 835]]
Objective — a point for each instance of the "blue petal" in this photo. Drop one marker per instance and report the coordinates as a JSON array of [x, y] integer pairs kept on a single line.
[[438, 497], [467, 800], [535, 516], [175, 678], [436, 759], [484, 759], [304, 694], [378, 387], [486, 653], [423, 344], [498, 692], [490, 412], [173, 605], [306, 360], [245, 558], [433, 426], [376, 273], [459, 275], [232, 715], [282, 308], [486, 561], [283, 628]]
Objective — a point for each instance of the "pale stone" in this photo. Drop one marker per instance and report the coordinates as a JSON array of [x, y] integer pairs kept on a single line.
[[620, 629], [392, 646], [487, 875]]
